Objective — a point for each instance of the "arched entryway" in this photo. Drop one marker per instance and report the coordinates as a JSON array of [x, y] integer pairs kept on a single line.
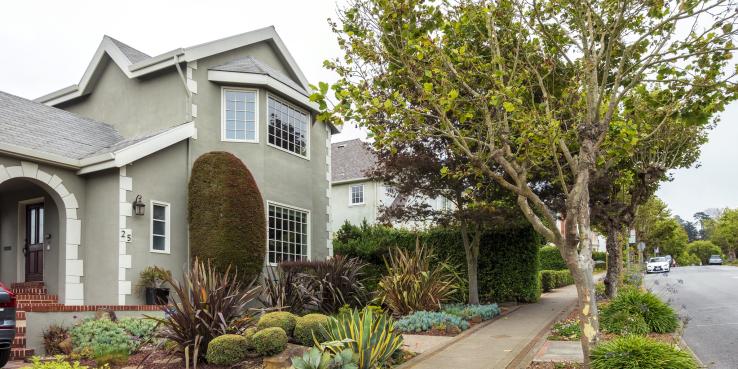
[[40, 232]]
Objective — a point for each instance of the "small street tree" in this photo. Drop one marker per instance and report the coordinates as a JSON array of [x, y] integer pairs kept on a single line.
[[519, 87], [658, 229]]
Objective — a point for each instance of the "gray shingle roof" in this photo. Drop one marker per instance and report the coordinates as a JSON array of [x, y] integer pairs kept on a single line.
[[132, 54], [350, 160], [29, 124], [253, 65]]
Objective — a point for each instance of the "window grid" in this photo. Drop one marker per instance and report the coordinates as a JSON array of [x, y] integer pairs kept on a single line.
[[159, 227], [357, 194], [240, 115], [288, 127], [288, 234]]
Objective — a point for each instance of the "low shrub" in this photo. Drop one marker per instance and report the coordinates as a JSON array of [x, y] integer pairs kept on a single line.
[[568, 330], [659, 316], [624, 323], [600, 291], [227, 349], [141, 330], [309, 326], [372, 336], [53, 336], [551, 279], [100, 337], [248, 334], [633, 277], [467, 312], [686, 259], [269, 341], [59, 362], [281, 319], [422, 321], [110, 355], [636, 352]]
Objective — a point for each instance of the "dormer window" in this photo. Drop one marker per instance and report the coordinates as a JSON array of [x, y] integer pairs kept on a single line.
[[240, 112]]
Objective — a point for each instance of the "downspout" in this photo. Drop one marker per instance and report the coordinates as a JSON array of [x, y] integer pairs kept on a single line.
[[188, 168]]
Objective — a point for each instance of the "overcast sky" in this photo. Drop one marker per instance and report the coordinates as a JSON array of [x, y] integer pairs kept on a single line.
[[47, 45]]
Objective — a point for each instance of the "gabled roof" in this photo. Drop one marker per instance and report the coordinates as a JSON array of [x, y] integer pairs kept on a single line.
[[135, 63], [350, 160], [254, 66], [44, 133]]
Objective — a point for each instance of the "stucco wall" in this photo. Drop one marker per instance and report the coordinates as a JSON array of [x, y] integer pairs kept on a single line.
[[281, 176], [161, 177], [100, 231], [134, 106], [342, 211]]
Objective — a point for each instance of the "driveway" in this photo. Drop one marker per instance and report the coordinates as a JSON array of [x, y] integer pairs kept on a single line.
[[708, 297]]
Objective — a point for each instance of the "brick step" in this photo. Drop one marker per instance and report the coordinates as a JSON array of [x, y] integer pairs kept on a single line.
[[20, 330], [26, 297], [20, 353], [29, 291], [20, 315], [19, 342], [27, 285]]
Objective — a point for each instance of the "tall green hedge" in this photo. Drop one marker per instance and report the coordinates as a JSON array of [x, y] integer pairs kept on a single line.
[[551, 259], [508, 256], [226, 215]]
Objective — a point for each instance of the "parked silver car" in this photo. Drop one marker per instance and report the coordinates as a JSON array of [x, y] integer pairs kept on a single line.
[[715, 260], [7, 323]]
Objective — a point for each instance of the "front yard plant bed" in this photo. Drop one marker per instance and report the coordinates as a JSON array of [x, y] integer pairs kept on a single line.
[[450, 321]]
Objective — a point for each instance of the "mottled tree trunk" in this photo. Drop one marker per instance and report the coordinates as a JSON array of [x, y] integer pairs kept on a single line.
[[614, 261], [471, 249]]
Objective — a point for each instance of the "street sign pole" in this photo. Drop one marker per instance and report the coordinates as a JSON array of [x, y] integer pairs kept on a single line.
[[641, 247]]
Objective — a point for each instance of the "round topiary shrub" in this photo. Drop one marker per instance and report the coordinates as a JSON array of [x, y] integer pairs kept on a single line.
[[637, 352], [281, 319], [227, 349], [247, 334], [269, 341], [309, 325], [226, 215]]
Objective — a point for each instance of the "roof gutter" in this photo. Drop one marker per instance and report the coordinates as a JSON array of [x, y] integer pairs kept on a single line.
[[39, 156]]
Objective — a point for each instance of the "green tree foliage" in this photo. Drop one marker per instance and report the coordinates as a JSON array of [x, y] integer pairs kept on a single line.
[[226, 215], [725, 232], [658, 229], [703, 250]]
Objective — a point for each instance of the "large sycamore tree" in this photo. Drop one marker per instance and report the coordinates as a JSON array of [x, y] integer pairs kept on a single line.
[[522, 87]]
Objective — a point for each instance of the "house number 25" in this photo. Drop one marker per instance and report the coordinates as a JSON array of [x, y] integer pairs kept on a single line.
[[126, 235]]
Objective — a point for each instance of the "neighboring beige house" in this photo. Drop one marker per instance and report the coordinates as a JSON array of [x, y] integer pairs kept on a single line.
[[74, 162], [355, 197]]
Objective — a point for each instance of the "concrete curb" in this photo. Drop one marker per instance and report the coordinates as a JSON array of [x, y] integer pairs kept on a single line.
[[686, 347], [526, 355], [428, 354]]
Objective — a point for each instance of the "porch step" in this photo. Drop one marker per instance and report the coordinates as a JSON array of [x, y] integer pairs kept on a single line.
[[21, 330], [34, 306], [19, 342], [27, 285], [30, 291], [20, 353], [26, 299]]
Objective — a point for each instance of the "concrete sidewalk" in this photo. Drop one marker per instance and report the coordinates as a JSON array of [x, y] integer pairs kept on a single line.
[[498, 344]]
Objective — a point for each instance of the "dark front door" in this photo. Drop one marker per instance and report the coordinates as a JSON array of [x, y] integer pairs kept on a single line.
[[34, 249]]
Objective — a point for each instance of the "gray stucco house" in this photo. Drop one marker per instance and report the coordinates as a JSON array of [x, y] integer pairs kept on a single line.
[[74, 162]]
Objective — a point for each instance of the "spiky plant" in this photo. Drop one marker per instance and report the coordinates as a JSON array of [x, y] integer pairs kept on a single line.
[[208, 302]]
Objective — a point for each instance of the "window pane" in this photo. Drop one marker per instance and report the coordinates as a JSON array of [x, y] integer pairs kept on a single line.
[[159, 212], [159, 228], [159, 243], [240, 117], [287, 234], [287, 127]]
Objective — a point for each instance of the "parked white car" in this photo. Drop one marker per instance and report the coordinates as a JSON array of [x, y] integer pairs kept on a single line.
[[658, 264]]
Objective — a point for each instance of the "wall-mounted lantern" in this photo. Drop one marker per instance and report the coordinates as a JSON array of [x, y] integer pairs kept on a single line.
[[138, 206]]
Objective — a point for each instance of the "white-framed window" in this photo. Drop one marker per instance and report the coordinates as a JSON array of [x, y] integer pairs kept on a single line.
[[288, 233], [240, 115], [289, 127], [356, 194], [160, 227]]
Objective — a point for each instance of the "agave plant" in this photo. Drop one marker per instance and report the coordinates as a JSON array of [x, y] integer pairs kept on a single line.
[[316, 359], [371, 336], [416, 281], [208, 302]]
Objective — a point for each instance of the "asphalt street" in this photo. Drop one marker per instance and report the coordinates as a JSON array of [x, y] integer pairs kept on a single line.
[[708, 297]]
